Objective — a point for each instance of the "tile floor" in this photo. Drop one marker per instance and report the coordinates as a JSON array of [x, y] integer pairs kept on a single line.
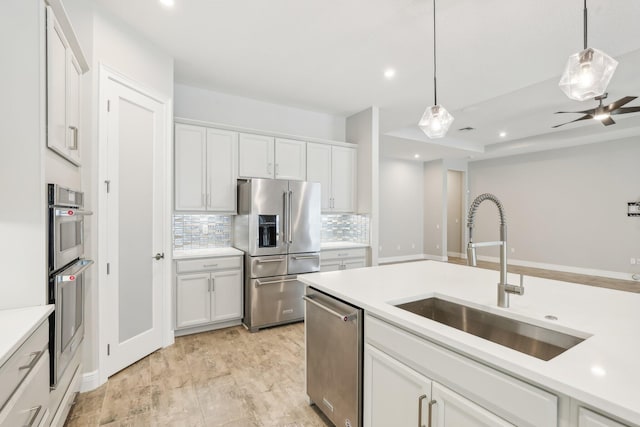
[[227, 377]]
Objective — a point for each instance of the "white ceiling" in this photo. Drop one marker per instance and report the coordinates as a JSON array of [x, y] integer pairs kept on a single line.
[[499, 62]]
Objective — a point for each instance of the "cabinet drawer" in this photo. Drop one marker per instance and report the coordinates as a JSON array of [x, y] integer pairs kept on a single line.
[[13, 372], [516, 401], [587, 418], [343, 254], [29, 405], [201, 264]]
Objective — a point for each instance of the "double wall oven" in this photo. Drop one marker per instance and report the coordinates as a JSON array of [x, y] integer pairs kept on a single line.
[[66, 276]]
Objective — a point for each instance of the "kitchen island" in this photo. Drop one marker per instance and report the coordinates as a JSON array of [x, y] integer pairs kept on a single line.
[[595, 383]]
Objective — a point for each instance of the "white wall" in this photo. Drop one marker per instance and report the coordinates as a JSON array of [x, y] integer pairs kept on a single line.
[[435, 207], [23, 258], [206, 105], [401, 209], [363, 129], [455, 214], [565, 207]]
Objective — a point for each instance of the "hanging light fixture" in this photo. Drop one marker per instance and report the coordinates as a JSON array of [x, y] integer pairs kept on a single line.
[[588, 72], [436, 120]]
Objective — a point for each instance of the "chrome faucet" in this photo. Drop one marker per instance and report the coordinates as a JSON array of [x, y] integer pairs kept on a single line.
[[504, 289]]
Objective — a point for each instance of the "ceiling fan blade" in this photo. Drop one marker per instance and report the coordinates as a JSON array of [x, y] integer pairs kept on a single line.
[[591, 111], [626, 110], [608, 121], [620, 102], [586, 117]]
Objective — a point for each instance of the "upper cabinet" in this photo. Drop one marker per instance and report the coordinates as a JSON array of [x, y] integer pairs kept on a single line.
[[267, 157], [205, 169], [334, 167], [64, 88]]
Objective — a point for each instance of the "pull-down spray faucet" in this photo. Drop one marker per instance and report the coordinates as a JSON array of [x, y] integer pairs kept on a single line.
[[504, 289]]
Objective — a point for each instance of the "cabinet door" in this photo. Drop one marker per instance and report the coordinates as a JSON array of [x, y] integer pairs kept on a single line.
[[190, 168], [227, 295], [319, 170], [333, 265], [453, 410], [350, 264], [193, 299], [587, 418], [222, 173], [343, 179], [291, 159], [394, 394], [74, 72], [56, 86], [256, 153]]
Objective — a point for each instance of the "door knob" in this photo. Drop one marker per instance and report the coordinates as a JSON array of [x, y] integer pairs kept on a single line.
[[159, 256]]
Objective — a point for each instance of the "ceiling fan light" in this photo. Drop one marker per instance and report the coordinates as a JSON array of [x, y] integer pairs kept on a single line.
[[435, 121], [587, 74], [602, 115]]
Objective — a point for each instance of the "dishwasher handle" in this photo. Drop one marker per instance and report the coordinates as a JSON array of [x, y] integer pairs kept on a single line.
[[343, 317]]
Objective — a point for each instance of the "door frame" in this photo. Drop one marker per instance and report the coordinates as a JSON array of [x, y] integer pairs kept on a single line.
[[106, 73]]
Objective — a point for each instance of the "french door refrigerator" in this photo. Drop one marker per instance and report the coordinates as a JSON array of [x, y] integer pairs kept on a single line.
[[278, 227]]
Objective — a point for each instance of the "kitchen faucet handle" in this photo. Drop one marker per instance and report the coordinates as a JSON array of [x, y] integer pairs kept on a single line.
[[513, 289]]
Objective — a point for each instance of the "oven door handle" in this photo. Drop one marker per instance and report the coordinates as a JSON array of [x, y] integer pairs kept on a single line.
[[73, 274], [72, 212]]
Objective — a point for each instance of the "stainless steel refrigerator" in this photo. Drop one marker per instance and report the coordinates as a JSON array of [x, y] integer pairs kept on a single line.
[[278, 227]]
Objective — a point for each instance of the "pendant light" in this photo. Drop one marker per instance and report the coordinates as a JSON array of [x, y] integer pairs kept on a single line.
[[436, 120], [588, 72]]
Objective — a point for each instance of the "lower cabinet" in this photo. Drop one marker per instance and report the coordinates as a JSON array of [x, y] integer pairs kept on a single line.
[[347, 259], [587, 418], [209, 296], [396, 395]]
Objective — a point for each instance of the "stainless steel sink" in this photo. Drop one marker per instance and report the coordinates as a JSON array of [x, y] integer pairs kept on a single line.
[[526, 338]]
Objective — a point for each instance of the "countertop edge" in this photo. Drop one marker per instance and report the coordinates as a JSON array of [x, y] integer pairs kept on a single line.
[[34, 315]]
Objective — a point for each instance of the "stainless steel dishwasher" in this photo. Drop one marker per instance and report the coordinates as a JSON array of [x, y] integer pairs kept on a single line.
[[334, 339]]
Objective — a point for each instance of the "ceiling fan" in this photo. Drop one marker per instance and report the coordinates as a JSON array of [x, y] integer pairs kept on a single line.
[[603, 113]]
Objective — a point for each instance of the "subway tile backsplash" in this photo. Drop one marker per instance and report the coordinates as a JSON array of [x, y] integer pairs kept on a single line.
[[345, 228], [201, 231]]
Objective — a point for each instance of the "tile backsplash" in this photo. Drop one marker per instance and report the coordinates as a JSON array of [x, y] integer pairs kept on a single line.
[[201, 231], [345, 228]]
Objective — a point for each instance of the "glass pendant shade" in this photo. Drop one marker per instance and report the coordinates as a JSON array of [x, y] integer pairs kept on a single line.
[[587, 74], [435, 121]]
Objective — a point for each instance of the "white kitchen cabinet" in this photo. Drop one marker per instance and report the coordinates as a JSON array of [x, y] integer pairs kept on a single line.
[[63, 93], [256, 156], [343, 259], [451, 409], [267, 157], [205, 169], [208, 291], [393, 392], [588, 418], [291, 159], [334, 167]]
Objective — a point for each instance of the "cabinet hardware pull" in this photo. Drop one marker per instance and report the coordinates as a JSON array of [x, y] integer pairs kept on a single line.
[[262, 261], [431, 403], [210, 265], [343, 317], [213, 284], [273, 282], [306, 257], [209, 284], [420, 399], [33, 417], [34, 358]]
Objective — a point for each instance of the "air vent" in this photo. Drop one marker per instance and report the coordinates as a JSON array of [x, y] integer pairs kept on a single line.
[[466, 129]]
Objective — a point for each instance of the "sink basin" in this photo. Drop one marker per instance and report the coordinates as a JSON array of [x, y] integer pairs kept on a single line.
[[526, 338]]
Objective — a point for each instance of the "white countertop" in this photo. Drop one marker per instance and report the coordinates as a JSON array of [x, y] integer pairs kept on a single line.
[[206, 253], [342, 245], [16, 325], [602, 371]]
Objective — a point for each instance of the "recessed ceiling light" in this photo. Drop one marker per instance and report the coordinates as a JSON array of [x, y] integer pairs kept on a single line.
[[389, 73], [168, 3], [502, 134], [416, 156]]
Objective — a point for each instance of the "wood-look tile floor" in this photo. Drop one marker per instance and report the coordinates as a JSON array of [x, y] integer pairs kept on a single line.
[[228, 377]]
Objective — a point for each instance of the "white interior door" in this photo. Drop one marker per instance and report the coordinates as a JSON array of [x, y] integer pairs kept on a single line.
[[135, 206]]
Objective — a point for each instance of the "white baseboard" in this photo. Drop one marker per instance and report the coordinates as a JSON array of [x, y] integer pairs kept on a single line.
[[403, 258], [454, 254], [564, 268], [89, 381], [435, 257]]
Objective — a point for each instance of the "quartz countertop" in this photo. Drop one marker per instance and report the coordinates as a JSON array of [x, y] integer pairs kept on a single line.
[[206, 253], [602, 371], [342, 245], [16, 325]]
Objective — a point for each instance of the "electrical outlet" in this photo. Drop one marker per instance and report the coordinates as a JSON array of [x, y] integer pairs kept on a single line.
[[380, 248], [513, 250], [632, 261], [398, 247], [413, 246], [205, 229], [437, 226], [437, 246]]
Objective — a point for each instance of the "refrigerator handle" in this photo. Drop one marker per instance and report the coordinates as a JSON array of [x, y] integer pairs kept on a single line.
[[285, 219], [289, 231]]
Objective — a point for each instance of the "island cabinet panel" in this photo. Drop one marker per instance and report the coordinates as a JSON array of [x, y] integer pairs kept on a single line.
[[395, 395], [449, 409], [588, 418], [513, 400]]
